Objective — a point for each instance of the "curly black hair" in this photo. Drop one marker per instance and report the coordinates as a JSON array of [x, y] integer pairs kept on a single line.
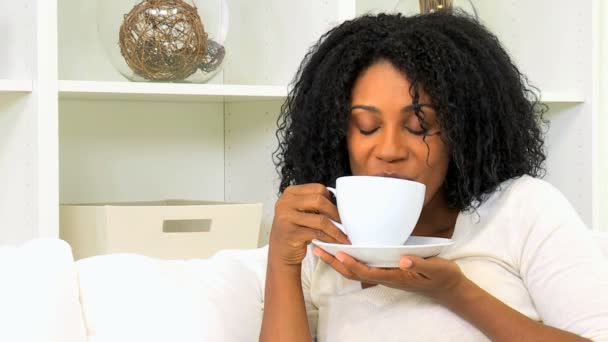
[[490, 116]]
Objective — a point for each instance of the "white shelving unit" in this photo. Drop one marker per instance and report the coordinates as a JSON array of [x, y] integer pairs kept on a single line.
[[72, 129], [15, 86], [106, 90], [563, 97], [600, 122], [124, 141], [172, 92], [28, 121]]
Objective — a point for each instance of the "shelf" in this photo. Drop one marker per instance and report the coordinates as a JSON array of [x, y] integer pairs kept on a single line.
[[134, 91], [15, 86], [562, 97], [167, 92]]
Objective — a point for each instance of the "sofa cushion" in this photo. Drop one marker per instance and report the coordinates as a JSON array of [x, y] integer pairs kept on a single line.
[[127, 297], [602, 240], [39, 293]]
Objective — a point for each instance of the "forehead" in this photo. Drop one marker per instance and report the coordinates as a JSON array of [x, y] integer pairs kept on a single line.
[[382, 82]]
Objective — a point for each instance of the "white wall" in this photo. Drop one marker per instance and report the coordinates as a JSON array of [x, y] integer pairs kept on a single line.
[[121, 151], [602, 78]]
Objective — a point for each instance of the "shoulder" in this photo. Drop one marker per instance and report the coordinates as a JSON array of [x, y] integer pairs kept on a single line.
[[527, 195], [525, 186], [534, 186], [525, 207]]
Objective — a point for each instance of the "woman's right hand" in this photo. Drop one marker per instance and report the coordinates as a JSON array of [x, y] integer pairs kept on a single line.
[[301, 215]]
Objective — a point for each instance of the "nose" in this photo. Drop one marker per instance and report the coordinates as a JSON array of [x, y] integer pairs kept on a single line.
[[392, 146]]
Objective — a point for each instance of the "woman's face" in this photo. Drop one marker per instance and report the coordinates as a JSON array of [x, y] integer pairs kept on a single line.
[[385, 137]]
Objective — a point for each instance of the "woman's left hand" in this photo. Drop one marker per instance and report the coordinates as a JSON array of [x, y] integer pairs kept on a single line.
[[434, 277]]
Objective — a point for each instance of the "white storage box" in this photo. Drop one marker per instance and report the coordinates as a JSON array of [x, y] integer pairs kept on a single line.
[[170, 229]]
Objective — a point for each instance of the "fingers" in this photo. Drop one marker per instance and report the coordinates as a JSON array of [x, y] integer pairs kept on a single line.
[[432, 276], [367, 273], [319, 223], [313, 198], [350, 268], [308, 189], [424, 267], [405, 263], [294, 226], [333, 262], [313, 206], [319, 204], [354, 270], [309, 234]]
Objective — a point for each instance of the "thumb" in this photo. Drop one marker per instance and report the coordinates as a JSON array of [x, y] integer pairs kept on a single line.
[[416, 264]]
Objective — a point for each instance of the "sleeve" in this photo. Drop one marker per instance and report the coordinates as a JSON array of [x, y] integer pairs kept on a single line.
[[564, 269], [308, 266]]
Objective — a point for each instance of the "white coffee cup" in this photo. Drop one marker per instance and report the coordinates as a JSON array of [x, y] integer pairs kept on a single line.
[[378, 210]]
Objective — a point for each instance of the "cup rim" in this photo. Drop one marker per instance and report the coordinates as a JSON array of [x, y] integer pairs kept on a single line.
[[391, 179]]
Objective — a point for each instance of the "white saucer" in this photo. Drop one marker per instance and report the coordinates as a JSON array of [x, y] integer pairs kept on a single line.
[[388, 256]]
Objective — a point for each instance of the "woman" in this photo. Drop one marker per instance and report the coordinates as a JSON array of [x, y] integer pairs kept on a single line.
[[436, 99]]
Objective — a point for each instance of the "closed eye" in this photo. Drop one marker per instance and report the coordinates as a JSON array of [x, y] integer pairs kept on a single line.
[[368, 132], [421, 132], [417, 132]]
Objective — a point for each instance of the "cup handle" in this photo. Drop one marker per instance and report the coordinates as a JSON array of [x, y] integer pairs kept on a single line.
[[339, 225]]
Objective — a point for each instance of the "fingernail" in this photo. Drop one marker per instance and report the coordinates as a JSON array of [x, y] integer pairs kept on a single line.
[[405, 263], [340, 257], [316, 251]]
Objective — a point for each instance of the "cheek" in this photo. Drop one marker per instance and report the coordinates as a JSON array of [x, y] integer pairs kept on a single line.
[[438, 155], [358, 153], [440, 159], [353, 154], [436, 168]]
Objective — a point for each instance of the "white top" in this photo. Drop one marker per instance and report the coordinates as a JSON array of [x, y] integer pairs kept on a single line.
[[526, 246]]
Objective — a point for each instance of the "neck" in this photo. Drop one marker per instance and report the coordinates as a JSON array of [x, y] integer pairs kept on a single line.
[[436, 219]]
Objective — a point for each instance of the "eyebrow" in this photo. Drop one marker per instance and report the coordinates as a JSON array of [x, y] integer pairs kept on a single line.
[[375, 110]]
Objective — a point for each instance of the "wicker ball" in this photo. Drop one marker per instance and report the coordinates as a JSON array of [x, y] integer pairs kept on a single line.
[[431, 6], [163, 40]]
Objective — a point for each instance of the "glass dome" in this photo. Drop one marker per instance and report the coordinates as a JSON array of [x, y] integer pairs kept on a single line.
[[412, 7], [164, 40]]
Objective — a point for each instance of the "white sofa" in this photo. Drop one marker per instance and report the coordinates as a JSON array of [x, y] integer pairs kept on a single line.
[[46, 296]]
